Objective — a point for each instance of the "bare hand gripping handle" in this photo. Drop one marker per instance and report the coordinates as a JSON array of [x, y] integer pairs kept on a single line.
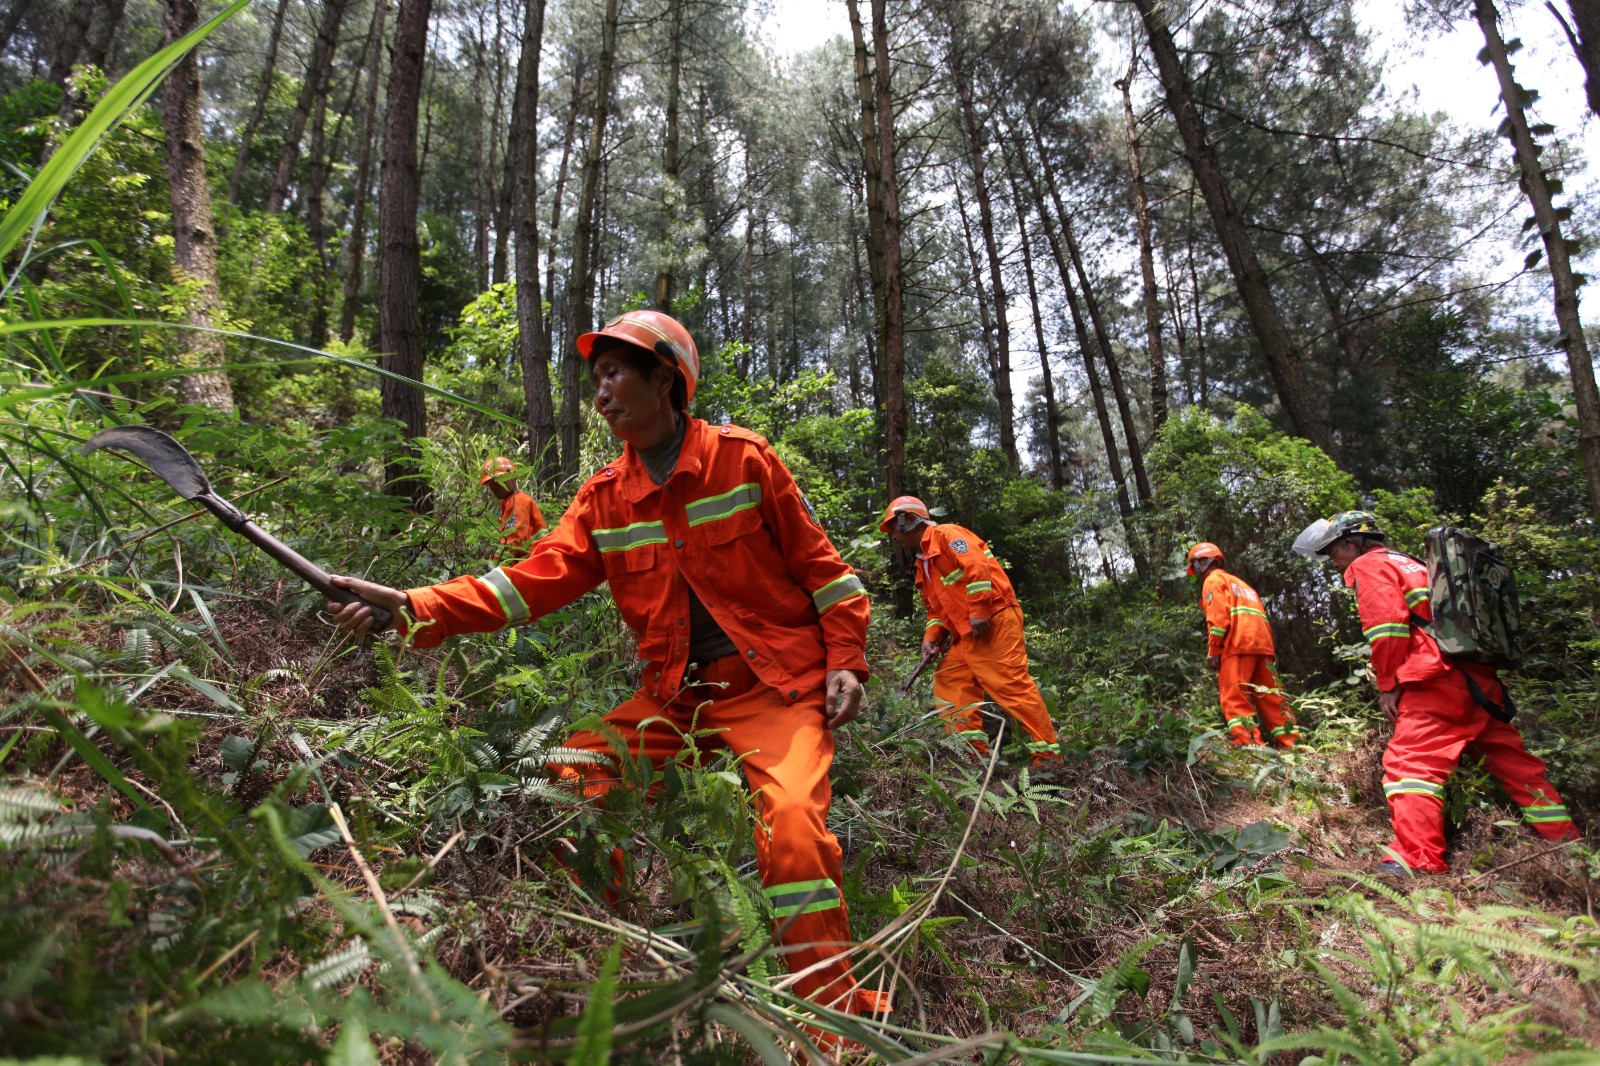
[[178, 469]]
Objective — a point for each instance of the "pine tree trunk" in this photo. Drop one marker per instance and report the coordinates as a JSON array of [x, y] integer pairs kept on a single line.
[[991, 360], [102, 31], [1308, 417], [259, 111], [1556, 252], [1001, 344], [1586, 46], [70, 44], [894, 346], [521, 171], [568, 140], [363, 180], [194, 233], [314, 90], [399, 252], [581, 281], [669, 155], [1147, 260], [1052, 416], [316, 228]]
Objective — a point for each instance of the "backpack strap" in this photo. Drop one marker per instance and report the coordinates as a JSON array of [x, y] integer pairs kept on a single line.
[[1500, 712]]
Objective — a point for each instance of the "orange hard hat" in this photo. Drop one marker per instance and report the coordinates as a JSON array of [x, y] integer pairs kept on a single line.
[[904, 505], [1204, 550], [495, 469], [657, 333]]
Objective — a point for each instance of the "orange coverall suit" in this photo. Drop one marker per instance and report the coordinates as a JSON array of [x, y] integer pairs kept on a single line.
[[1438, 718], [520, 520], [731, 523], [1247, 678], [959, 580]]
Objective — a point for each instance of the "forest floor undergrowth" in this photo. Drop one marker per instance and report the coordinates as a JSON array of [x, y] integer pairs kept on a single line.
[[1161, 896]]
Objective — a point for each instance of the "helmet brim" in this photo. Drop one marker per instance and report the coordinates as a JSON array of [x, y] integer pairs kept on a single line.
[[1313, 540]]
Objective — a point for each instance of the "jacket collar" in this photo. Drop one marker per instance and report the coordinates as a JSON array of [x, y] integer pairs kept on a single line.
[[636, 481]]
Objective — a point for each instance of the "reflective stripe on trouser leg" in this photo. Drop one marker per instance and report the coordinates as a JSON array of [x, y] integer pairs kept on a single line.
[[999, 665], [958, 697], [1237, 709], [1522, 774], [787, 754], [1432, 728], [1277, 717]]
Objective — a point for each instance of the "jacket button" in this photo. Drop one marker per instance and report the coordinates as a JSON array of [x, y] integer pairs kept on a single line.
[[751, 653], [678, 543], [680, 622], [794, 694]]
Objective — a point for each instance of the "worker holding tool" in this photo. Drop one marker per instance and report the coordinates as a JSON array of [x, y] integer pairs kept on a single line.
[[520, 518], [1239, 648], [972, 606], [752, 627]]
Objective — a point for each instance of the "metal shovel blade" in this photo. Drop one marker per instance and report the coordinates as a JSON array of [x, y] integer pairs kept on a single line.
[[160, 452]]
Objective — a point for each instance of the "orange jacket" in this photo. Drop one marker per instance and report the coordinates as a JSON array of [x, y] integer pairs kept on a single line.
[[1391, 587], [959, 580], [730, 521], [1236, 624], [520, 518]]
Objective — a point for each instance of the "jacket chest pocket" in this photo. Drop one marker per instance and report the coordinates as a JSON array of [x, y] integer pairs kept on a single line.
[[725, 519]]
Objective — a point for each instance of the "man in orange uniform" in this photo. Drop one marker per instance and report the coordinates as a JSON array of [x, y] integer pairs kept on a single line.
[[520, 517], [970, 601], [1429, 698], [752, 627], [1239, 642]]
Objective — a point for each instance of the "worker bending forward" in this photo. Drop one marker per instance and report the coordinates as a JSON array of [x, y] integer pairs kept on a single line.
[[1429, 698], [752, 627], [520, 518], [1239, 648], [971, 603]]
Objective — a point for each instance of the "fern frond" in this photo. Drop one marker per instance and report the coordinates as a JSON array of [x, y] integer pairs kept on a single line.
[[332, 970]]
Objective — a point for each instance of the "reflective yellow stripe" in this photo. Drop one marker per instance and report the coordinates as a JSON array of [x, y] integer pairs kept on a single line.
[[1546, 814], [1412, 786], [836, 592], [1416, 596], [1387, 629], [1247, 610], [512, 605], [980, 586], [804, 897], [627, 538], [729, 503], [953, 576], [1218, 631]]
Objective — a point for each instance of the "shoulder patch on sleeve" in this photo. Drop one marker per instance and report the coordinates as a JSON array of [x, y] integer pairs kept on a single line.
[[959, 545]]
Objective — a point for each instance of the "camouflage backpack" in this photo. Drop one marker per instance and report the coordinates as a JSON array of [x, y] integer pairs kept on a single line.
[[1474, 598]]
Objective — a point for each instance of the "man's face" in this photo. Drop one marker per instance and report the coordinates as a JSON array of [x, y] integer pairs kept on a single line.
[[627, 400], [1343, 552], [905, 533], [501, 489]]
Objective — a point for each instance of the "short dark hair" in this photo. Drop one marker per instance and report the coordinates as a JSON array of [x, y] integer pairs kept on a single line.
[[644, 363]]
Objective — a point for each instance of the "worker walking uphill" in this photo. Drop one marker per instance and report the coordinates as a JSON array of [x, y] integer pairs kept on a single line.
[[752, 627], [520, 518], [1433, 701], [1240, 650], [970, 603]]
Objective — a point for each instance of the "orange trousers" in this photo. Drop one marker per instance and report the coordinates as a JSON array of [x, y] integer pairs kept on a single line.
[[786, 754], [1438, 721], [998, 666], [1247, 684]]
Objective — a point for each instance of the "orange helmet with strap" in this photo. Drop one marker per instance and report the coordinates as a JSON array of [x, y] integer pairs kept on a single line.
[[495, 469], [904, 505], [660, 334], [1204, 550]]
